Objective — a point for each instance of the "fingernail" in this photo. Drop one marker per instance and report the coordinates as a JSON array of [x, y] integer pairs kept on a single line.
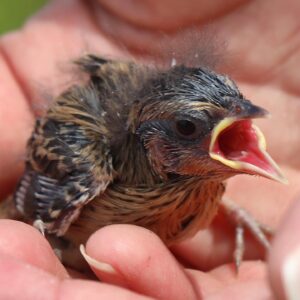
[[291, 275], [96, 264]]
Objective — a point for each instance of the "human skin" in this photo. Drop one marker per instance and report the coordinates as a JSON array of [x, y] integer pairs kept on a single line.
[[263, 57]]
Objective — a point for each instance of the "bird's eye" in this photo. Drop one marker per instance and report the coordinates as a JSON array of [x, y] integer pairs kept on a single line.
[[185, 127]]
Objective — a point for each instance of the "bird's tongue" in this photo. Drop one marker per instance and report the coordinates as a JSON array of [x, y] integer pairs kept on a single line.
[[241, 145]]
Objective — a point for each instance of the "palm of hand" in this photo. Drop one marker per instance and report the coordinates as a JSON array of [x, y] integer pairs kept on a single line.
[[266, 65]]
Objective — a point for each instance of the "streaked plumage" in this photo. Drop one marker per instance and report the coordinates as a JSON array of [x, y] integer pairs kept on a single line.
[[133, 146]]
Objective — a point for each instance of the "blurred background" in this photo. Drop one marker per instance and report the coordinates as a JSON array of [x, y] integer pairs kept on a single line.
[[13, 13]]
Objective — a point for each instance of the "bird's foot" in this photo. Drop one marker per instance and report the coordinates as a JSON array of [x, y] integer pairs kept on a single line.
[[40, 226], [242, 220]]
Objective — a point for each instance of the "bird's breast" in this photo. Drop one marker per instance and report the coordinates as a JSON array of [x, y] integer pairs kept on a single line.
[[174, 211]]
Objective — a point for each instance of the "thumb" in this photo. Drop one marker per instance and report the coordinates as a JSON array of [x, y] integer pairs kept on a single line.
[[135, 258], [284, 260]]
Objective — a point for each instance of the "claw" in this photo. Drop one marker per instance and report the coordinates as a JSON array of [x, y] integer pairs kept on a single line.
[[40, 226], [244, 219], [239, 246]]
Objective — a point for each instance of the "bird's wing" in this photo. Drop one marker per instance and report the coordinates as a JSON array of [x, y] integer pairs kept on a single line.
[[68, 163]]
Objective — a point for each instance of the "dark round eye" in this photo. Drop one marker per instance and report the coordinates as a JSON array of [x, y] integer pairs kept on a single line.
[[185, 127]]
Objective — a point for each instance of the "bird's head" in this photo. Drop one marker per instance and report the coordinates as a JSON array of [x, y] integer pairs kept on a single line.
[[196, 122]]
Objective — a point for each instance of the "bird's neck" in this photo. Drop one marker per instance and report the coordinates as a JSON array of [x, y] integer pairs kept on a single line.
[[132, 165]]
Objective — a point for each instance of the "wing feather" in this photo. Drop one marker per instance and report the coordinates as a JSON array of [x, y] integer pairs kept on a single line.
[[68, 163]]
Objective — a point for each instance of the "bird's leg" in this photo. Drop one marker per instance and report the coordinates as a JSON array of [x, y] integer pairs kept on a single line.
[[244, 219]]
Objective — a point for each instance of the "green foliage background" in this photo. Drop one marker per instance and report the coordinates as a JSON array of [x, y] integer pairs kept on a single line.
[[13, 13]]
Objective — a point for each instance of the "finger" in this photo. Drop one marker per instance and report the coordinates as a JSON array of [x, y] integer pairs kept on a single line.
[[40, 52], [25, 243], [224, 283], [254, 289], [138, 260], [69, 36], [284, 261], [160, 17], [215, 246], [15, 123], [19, 280]]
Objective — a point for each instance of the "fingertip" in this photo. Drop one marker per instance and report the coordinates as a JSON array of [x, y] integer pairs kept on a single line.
[[24, 242], [123, 240], [20, 280], [121, 248]]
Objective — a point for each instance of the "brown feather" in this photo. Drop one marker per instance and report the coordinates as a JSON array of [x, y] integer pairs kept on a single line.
[[112, 152]]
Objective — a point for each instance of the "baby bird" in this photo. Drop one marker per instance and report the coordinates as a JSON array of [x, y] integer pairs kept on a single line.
[[140, 145]]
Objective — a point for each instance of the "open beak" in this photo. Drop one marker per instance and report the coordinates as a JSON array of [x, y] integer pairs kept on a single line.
[[240, 145]]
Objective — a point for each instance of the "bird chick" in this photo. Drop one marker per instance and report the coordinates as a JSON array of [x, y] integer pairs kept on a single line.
[[141, 146]]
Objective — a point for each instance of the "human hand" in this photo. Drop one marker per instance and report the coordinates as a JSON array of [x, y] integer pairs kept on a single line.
[[139, 263], [265, 67]]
